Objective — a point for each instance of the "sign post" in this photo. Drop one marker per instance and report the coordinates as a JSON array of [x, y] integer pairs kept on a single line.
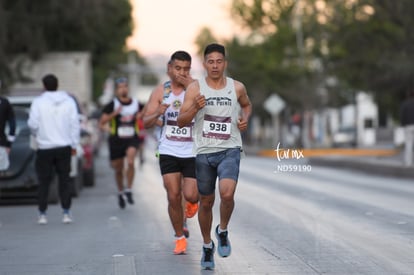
[[274, 105]]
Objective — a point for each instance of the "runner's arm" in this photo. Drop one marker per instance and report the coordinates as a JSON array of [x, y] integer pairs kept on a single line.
[[245, 104], [193, 101], [154, 108], [108, 113]]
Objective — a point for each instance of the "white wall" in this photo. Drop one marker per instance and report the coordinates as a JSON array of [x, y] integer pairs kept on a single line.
[[367, 110], [73, 69]]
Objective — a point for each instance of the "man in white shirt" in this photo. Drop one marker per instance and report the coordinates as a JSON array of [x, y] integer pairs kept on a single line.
[[54, 121]]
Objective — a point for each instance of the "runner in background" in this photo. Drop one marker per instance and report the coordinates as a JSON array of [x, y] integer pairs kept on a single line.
[[119, 118]]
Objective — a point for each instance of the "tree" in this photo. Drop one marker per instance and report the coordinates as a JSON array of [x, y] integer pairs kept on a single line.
[[37, 27], [364, 44], [372, 48], [273, 59], [204, 37]]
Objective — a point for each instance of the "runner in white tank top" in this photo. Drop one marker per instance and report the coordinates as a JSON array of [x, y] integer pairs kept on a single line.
[[176, 159], [175, 141]]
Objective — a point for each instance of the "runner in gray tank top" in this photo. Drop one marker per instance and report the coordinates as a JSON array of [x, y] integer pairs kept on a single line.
[[221, 109]]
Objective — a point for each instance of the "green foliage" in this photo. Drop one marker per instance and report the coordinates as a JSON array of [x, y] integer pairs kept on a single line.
[[375, 53], [37, 27], [365, 44], [204, 38], [270, 59]]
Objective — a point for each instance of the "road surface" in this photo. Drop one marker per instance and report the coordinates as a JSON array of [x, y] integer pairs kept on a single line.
[[313, 221]]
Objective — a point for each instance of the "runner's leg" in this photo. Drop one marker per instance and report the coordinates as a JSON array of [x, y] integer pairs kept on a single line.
[[118, 166], [190, 190], [227, 188], [205, 216], [130, 159], [172, 184]]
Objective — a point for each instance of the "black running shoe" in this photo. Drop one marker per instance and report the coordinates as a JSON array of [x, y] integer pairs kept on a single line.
[[130, 199], [121, 201], [207, 259]]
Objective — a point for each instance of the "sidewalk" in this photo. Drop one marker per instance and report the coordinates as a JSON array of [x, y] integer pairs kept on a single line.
[[379, 161]]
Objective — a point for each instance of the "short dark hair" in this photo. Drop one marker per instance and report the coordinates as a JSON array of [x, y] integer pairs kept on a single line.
[[214, 47], [50, 82], [180, 55]]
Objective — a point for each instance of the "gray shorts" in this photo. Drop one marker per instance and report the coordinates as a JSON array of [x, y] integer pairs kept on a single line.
[[224, 165]]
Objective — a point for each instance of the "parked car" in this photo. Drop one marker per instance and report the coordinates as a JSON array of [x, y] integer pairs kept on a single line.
[[20, 180], [344, 137], [82, 165]]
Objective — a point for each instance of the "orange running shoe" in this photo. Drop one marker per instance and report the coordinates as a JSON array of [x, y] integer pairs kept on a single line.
[[180, 246], [191, 209]]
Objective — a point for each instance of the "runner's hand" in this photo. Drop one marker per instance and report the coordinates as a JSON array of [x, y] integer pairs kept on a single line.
[[184, 80], [162, 108], [200, 101], [242, 124], [139, 115]]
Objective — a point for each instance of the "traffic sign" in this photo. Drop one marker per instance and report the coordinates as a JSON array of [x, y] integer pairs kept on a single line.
[[274, 104]]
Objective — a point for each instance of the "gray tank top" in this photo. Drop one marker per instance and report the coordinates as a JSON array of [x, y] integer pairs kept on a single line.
[[215, 127]]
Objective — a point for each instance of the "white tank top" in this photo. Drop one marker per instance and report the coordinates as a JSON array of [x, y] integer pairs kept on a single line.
[[126, 123], [175, 141], [215, 127]]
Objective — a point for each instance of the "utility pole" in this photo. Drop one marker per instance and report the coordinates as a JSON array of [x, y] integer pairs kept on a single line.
[[299, 44], [299, 31], [134, 70]]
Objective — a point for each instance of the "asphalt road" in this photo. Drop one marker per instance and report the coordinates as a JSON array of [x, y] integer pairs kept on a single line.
[[312, 221]]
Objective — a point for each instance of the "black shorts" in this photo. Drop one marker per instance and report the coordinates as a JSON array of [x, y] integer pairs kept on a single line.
[[119, 146], [171, 164]]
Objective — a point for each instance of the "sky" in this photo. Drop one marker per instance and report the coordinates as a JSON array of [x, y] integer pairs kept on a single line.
[[164, 26]]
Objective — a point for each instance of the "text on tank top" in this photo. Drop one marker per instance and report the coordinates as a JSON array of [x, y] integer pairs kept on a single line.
[[216, 124], [171, 129]]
